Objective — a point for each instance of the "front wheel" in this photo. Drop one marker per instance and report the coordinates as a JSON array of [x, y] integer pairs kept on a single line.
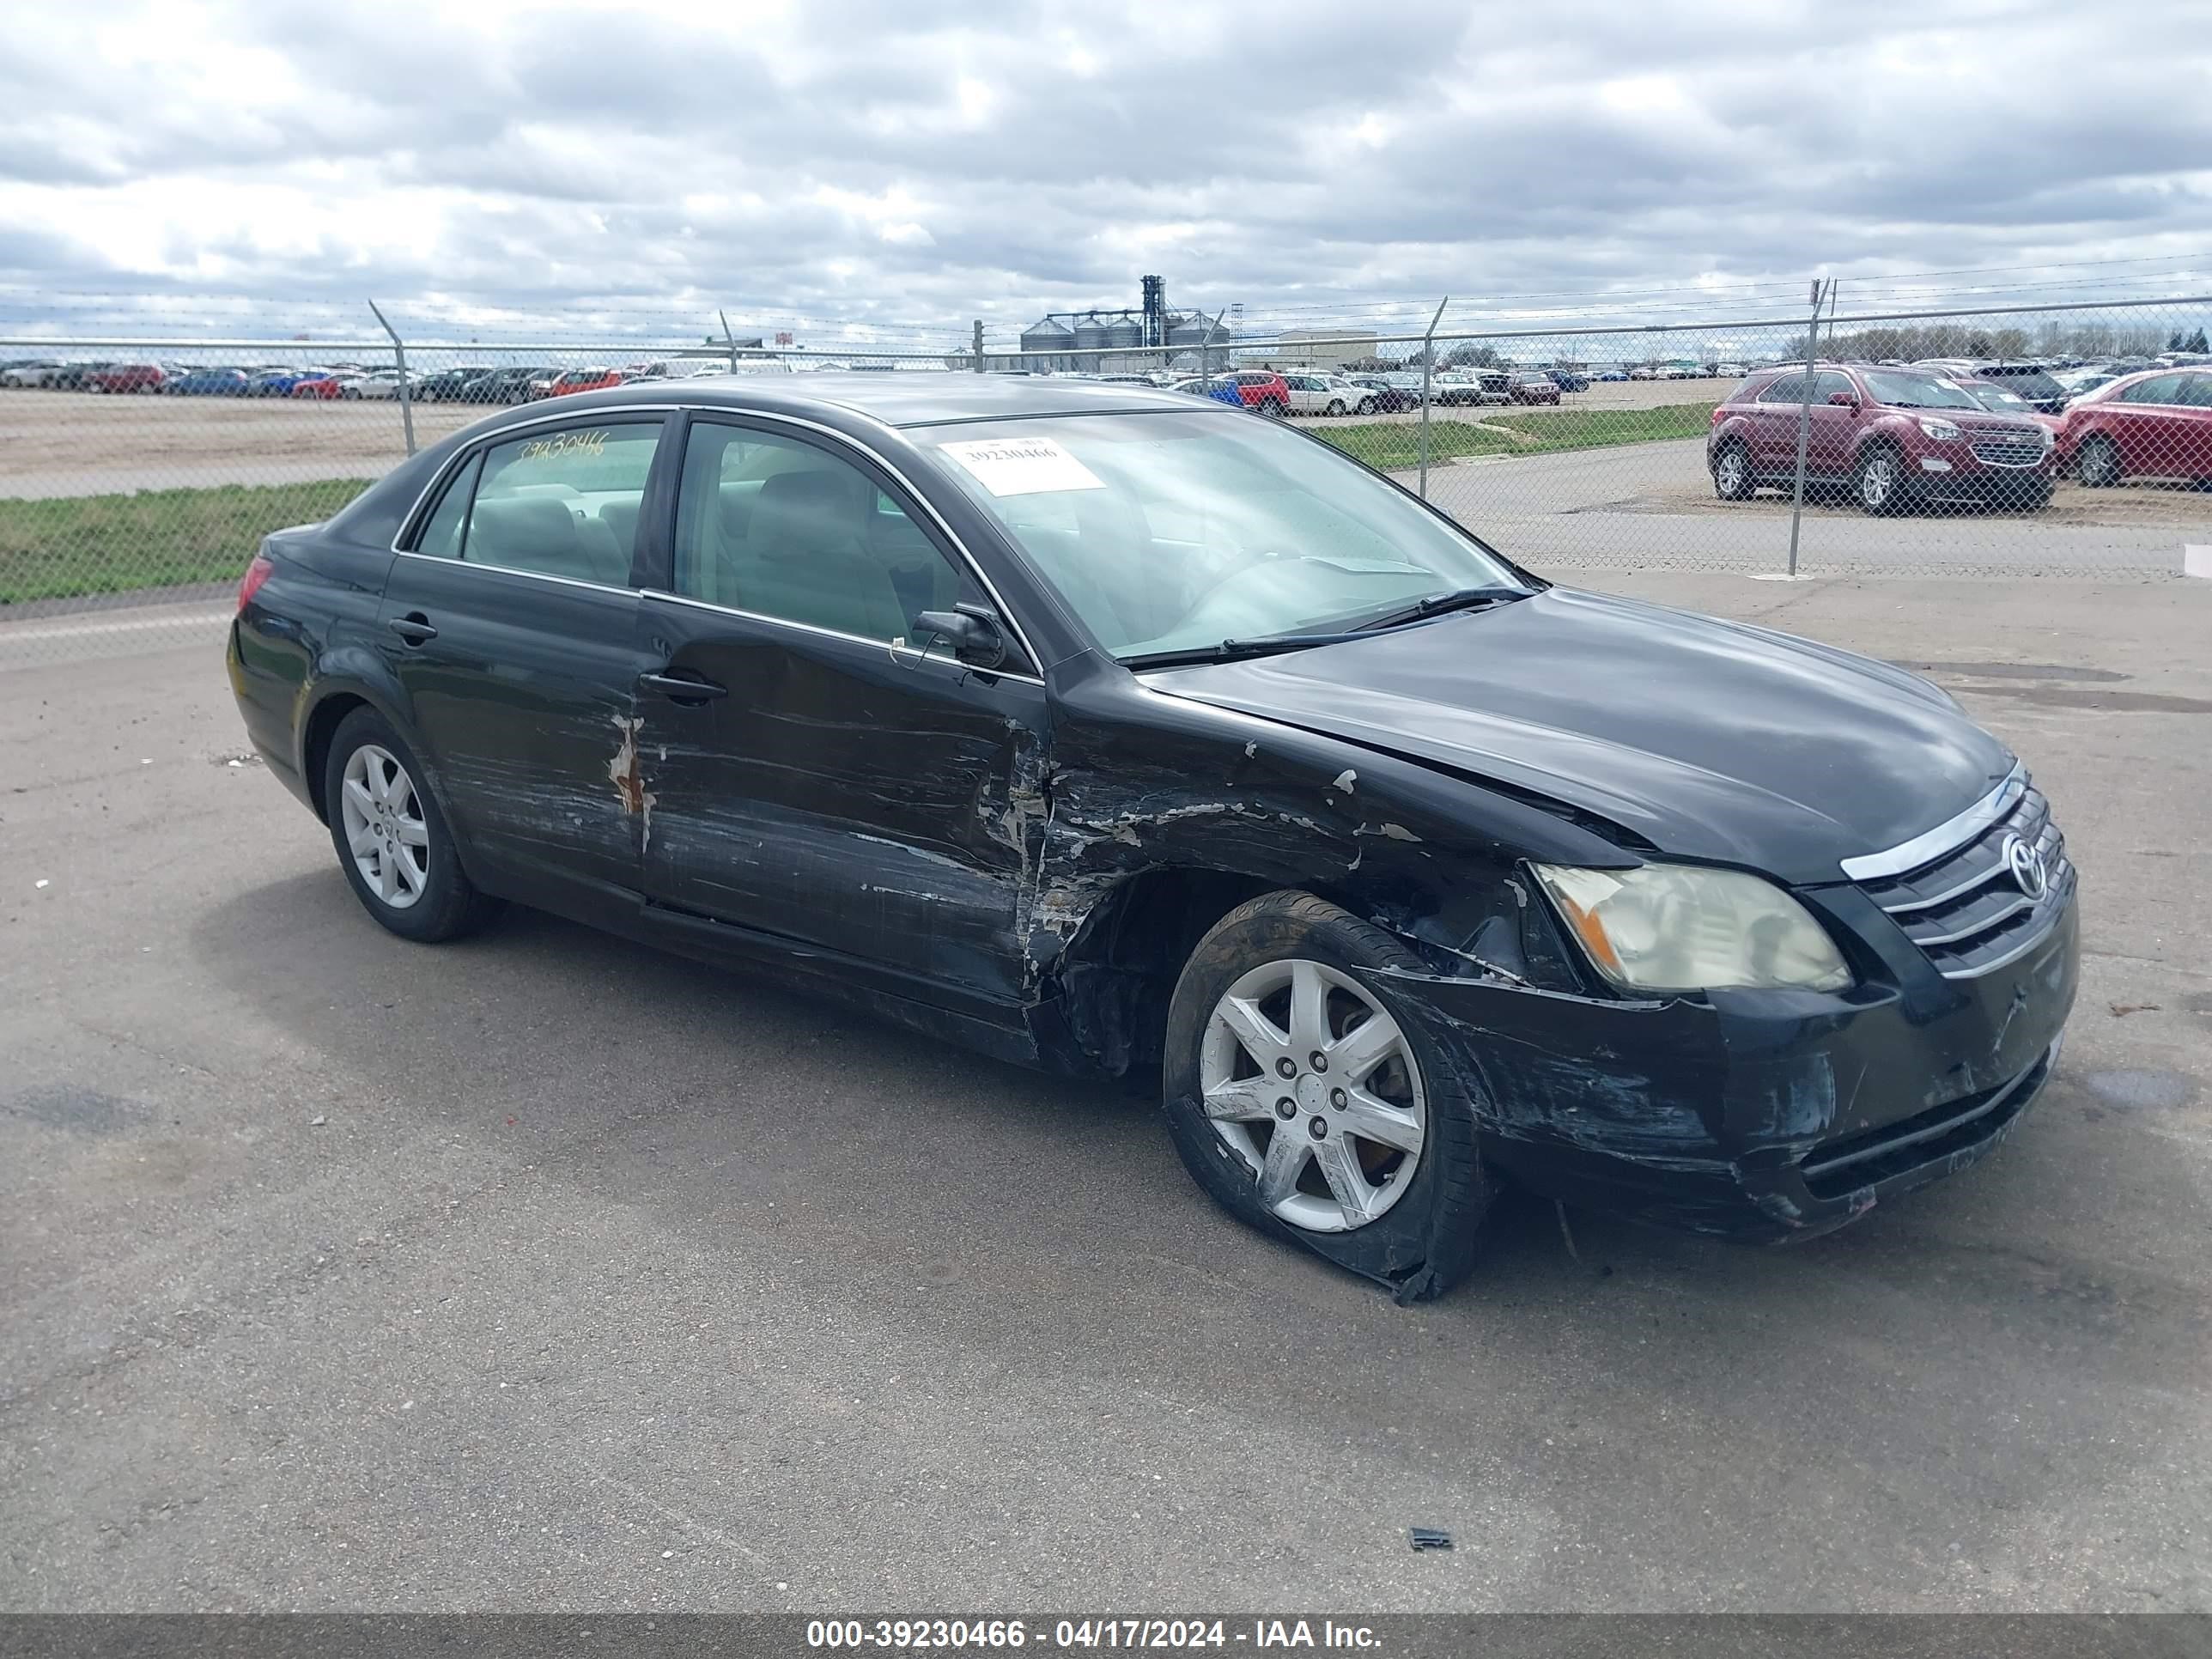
[[1335, 406], [1309, 1101], [2100, 464], [1367, 406], [1880, 485], [1273, 408], [392, 841]]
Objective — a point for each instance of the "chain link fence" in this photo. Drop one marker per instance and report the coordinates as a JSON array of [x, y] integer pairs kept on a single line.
[[137, 474]]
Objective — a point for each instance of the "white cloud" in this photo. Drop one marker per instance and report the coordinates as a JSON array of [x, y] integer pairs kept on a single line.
[[889, 160]]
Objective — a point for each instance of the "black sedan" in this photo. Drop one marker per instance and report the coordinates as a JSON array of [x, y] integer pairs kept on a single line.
[[1111, 731]]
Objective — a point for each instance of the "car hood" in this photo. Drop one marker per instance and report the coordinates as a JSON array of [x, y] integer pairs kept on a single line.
[[1707, 739]]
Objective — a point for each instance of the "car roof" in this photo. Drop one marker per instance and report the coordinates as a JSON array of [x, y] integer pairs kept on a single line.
[[919, 398]]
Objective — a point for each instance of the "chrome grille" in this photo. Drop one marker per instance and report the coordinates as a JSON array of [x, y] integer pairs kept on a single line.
[[1966, 909], [2007, 447]]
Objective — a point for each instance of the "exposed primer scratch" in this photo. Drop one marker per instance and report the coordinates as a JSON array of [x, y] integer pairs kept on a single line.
[[629, 777], [1344, 781], [1251, 750]]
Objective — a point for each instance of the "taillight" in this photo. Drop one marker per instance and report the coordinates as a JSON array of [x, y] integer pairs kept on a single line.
[[1719, 411], [249, 583]]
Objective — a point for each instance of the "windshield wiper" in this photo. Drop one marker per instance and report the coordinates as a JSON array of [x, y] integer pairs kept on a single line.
[[1460, 598], [1233, 650]]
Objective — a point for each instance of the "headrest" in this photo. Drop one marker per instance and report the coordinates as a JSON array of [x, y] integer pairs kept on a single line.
[[540, 527], [801, 514]]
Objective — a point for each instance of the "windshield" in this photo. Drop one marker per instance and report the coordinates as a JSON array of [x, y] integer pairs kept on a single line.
[[1995, 397], [1902, 389], [1174, 530]]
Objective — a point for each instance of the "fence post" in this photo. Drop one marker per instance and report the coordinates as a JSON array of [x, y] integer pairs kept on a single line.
[[406, 397], [1821, 291], [979, 345], [1428, 365], [729, 340]]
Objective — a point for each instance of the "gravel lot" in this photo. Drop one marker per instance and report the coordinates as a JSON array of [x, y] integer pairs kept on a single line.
[[546, 1272]]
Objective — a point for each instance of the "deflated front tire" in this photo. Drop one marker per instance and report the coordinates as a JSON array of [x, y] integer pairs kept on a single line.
[[1309, 1103]]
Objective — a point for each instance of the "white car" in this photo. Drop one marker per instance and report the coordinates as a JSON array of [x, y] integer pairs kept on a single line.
[[377, 383], [30, 374], [1647, 372], [1730, 371], [1327, 394]]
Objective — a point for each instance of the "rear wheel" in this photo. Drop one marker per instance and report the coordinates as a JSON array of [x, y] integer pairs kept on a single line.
[[1733, 478], [1306, 1101], [1335, 406], [1273, 408], [2100, 464], [392, 841], [1881, 486], [1367, 406]]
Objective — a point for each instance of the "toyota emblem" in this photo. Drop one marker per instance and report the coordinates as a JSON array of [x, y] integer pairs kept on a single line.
[[2026, 863]]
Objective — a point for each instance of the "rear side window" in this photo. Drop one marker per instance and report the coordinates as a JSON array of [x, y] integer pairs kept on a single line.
[[441, 537], [2195, 391], [1785, 389], [558, 503]]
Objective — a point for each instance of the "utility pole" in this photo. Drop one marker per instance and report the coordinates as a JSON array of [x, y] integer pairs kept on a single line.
[[979, 345], [729, 339]]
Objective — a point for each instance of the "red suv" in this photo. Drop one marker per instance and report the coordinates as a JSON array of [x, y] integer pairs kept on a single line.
[[584, 379], [1894, 436], [125, 377], [2153, 425], [1263, 389]]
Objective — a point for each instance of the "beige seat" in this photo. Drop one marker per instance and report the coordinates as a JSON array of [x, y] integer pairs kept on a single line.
[[806, 556]]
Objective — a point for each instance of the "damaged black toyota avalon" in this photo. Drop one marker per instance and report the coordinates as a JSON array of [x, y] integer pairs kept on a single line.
[[1111, 731]]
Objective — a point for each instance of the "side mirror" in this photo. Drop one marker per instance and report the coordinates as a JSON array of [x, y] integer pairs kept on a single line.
[[1848, 399], [972, 631]]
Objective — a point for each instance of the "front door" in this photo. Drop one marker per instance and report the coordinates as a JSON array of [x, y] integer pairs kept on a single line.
[[827, 783], [511, 627]]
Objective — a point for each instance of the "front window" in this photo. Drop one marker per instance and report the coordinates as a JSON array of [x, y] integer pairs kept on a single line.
[[1170, 531], [1901, 389], [2030, 384]]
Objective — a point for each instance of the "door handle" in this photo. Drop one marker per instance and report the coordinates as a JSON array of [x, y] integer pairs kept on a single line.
[[414, 627], [678, 688]]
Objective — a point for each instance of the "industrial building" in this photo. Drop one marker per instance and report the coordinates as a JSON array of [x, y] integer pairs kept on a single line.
[[1318, 348], [1105, 341]]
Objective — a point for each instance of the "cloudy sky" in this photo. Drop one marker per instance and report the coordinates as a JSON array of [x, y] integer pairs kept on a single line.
[[915, 165]]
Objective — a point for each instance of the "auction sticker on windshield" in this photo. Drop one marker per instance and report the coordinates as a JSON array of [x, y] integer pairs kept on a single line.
[[1022, 466]]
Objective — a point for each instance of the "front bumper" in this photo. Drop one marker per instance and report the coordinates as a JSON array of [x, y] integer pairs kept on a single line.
[[1759, 1115]]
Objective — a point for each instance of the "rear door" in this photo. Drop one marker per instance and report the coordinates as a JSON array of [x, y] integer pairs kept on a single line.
[[2193, 425], [828, 784], [1831, 444], [1774, 424], [512, 626]]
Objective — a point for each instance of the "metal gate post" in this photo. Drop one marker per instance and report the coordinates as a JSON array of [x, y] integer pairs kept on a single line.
[[406, 398], [1428, 365]]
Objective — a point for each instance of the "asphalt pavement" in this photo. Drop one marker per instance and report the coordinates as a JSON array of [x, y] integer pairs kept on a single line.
[[545, 1271]]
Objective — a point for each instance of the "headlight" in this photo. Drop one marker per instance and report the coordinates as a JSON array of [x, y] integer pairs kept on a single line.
[[1942, 431], [1678, 927]]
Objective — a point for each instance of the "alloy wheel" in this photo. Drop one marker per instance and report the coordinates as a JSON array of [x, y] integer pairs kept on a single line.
[[2100, 464], [1730, 470], [384, 828], [1877, 482], [1308, 1079]]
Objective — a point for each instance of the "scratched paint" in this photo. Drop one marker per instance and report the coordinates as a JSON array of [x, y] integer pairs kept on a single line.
[[626, 772]]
